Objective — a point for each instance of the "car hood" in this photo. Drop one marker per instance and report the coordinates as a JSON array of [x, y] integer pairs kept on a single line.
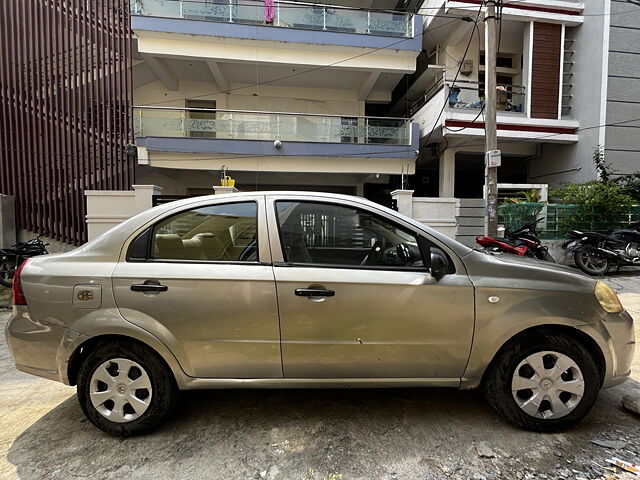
[[511, 271]]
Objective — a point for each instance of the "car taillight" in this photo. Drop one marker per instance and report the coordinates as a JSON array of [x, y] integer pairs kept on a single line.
[[18, 294]]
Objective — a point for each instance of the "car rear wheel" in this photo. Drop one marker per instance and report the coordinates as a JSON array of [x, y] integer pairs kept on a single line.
[[542, 382], [591, 265], [125, 389]]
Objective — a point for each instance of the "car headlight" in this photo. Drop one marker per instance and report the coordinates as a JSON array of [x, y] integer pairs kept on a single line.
[[608, 298]]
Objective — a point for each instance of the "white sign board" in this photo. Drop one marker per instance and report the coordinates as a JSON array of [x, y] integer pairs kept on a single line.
[[493, 158]]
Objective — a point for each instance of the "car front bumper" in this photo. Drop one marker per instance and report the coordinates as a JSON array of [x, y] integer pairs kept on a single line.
[[616, 338], [40, 349]]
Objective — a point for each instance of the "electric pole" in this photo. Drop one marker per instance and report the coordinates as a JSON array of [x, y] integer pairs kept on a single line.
[[491, 134]]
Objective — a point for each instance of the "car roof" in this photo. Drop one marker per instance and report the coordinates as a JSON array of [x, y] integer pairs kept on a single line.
[[108, 243]]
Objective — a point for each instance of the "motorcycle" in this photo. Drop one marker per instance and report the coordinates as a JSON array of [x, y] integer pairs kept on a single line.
[[11, 258], [595, 253], [524, 242]]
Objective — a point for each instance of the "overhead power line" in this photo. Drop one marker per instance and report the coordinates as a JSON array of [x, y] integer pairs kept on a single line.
[[464, 55]]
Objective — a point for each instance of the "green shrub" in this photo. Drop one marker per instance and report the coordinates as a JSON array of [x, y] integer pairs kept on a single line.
[[600, 206], [630, 185]]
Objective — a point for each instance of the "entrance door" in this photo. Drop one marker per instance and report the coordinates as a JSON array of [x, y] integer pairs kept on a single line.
[[200, 282], [356, 299]]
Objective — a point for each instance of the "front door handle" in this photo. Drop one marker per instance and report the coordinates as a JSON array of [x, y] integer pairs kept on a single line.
[[148, 287], [314, 292]]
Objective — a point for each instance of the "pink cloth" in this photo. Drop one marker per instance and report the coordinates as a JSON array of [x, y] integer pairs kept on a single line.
[[269, 11]]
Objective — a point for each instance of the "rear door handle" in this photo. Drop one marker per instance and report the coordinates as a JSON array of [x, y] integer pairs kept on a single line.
[[314, 292], [148, 287]]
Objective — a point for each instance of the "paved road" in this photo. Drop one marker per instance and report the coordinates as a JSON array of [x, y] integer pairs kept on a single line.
[[309, 434]]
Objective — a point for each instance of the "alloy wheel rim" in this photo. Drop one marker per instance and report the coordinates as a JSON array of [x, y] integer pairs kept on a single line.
[[547, 385], [594, 264], [120, 390]]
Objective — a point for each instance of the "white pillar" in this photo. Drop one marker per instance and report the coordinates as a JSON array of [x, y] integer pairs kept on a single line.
[[108, 208], [144, 196], [404, 201], [447, 173]]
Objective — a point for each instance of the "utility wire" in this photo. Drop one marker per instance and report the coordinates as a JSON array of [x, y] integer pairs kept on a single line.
[[403, 150], [483, 103], [311, 70], [631, 2], [481, 112], [466, 50]]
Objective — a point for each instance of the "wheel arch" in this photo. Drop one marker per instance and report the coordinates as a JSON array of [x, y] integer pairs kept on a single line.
[[82, 351], [585, 339]]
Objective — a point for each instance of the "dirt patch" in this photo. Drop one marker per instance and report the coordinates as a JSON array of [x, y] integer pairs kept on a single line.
[[5, 298]]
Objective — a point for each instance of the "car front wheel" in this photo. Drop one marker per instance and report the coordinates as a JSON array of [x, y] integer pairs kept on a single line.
[[543, 382], [125, 388]]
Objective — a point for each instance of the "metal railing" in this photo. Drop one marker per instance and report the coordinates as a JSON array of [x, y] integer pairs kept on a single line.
[[285, 14], [470, 96], [257, 125], [561, 218]]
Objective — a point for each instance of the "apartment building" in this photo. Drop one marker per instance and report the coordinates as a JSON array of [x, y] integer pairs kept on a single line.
[[621, 139], [539, 109], [282, 97], [356, 97]]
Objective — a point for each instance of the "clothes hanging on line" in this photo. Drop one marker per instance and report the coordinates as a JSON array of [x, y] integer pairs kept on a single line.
[[269, 11]]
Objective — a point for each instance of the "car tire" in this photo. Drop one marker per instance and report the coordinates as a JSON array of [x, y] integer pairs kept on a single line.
[[532, 408], [587, 265], [126, 388]]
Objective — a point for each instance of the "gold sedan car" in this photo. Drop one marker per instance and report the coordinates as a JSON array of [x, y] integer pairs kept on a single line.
[[290, 289]]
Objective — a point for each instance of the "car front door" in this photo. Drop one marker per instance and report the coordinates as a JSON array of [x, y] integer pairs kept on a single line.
[[356, 299], [201, 280]]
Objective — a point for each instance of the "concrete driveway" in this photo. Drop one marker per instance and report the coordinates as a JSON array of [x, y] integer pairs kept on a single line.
[[311, 434]]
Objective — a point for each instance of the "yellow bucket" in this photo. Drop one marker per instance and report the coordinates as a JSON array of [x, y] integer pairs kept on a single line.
[[228, 182]]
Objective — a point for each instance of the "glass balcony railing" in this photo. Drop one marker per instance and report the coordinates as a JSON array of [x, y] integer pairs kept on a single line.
[[284, 14], [253, 125], [470, 96]]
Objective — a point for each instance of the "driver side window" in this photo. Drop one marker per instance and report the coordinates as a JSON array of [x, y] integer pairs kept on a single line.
[[328, 234]]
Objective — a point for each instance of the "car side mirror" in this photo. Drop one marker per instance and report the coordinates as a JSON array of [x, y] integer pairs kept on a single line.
[[439, 265]]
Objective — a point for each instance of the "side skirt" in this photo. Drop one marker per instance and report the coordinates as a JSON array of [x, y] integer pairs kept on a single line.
[[221, 383]]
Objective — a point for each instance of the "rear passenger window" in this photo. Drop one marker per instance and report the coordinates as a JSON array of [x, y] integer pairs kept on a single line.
[[225, 233]]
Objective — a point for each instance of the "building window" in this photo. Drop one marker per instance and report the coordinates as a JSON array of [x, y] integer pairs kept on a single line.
[[201, 123]]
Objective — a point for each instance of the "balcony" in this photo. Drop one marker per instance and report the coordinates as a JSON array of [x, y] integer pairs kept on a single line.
[[462, 115], [569, 12], [164, 132], [286, 15], [291, 37]]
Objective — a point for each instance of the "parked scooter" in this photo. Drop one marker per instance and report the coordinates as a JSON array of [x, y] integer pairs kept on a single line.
[[595, 253], [523, 242], [11, 258]]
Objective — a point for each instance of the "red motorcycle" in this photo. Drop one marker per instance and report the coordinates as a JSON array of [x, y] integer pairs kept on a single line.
[[523, 242]]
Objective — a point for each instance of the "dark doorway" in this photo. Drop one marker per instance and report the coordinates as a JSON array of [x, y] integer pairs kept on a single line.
[[469, 177]]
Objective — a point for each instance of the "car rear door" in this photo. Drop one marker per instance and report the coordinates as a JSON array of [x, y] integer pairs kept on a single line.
[[346, 315], [201, 280]]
